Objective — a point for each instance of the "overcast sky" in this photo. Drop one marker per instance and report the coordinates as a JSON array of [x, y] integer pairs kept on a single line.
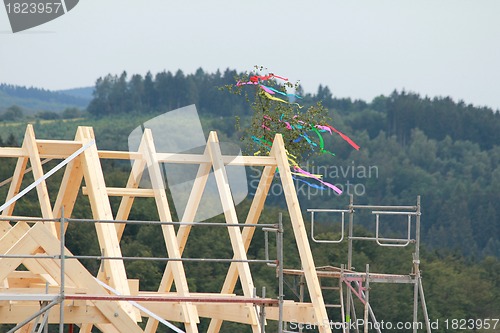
[[360, 49]]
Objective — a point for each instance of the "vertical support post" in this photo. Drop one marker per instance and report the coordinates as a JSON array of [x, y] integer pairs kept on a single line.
[[263, 313], [415, 302], [417, 233], [367, 298], [349, 238], [424, 306], [354, 316], [301, 292], [62, 221], [280, 272], [416, 266], [349, 256], [341, 294]]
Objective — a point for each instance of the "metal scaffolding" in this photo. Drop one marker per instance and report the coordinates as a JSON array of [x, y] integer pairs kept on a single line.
[[358, 283], [40, 319]]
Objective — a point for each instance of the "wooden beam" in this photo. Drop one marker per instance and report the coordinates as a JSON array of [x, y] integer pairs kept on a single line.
[[300, 234], [177, 158], [169, 235], [101, 209], [12, 152], [119, 155], [23, 246], [115, 312], [12, 236], [126, 192], [232, 218], [14, 188], [247, 235], [294, 312], [133, 182], [184, 230], [68, 191], [36, 164], [239, 313], [227, 159], [57, 148], [19, 311]]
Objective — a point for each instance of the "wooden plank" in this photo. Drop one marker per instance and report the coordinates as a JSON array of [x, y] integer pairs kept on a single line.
[[126, 192], [294, 312], [86, 328], [16, 280], [191, 158], [232, 218], [249, 160], [68, 191], [23, 246], [227, 159], [113, 311], [169, 235], [184, 230], [133, 182], [239, 313], [12, 152], [14, 188], [57, 148], [15, 313], [43, 194], [300, 233], [119, 155], [51, 268], [247, 235], [12, 236], [28, 328], [101, 210], [43, 268]]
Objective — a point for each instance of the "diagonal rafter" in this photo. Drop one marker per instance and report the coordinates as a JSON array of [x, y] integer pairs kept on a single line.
[[239, 250], [300, 234], [36, 164], [149, 152], [247, 235], [101, 209], [184, 230]]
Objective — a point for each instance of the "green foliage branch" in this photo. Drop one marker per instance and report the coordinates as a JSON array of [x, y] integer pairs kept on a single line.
[[271, 116]]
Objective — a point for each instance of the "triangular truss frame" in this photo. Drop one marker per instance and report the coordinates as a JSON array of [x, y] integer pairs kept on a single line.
[[24, 238]]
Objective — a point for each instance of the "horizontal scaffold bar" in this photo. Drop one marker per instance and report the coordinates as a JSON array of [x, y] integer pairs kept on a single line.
[[190, 299]]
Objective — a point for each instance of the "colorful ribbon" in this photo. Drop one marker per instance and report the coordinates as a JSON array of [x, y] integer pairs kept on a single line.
[[298, 125], [310, 175], [271, 97]]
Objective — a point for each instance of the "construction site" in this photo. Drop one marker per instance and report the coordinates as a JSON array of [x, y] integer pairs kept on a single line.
[[46, 288]]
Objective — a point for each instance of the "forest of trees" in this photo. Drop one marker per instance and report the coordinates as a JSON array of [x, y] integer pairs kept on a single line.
[[446, 151], [166, 91]]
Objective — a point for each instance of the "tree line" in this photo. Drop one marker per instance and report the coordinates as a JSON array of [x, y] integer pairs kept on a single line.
[[116, 94]]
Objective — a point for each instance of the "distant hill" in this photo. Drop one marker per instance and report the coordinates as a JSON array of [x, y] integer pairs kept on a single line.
[[33, 100], [84, 92]]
